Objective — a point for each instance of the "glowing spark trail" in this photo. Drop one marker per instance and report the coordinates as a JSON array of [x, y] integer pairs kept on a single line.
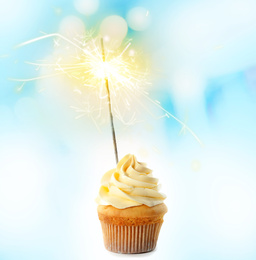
[[93, 69]]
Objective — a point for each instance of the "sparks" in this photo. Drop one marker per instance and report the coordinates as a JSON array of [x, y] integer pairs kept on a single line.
[[126, 75]]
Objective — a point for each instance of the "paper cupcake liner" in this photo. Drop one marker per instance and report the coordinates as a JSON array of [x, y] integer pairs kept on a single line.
[[130, 239]]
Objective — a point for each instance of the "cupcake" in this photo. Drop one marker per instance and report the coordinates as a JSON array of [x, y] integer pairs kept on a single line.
[[131, 208]]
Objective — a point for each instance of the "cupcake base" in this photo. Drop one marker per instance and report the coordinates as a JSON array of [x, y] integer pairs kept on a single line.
[[130, 239], [132, 230]]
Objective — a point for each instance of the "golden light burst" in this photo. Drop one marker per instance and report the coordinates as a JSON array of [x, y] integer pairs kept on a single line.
[[81, 61]]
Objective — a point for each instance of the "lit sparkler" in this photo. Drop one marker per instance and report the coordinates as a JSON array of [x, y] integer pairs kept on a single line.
[[109, 103], [99, 73], [88, 71]]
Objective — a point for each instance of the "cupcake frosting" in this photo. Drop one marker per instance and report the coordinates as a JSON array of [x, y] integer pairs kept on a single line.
[[130, 184]]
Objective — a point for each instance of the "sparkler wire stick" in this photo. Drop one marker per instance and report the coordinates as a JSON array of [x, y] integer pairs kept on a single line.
[[109, 104]]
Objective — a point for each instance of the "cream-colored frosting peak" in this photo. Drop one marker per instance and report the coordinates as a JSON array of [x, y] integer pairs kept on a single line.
[[130, 184]]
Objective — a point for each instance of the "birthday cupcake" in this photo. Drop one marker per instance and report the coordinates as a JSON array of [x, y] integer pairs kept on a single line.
[[131, 208]]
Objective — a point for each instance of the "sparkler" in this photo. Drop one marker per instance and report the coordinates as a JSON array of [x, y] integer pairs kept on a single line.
[[109, 104], [96, 69]]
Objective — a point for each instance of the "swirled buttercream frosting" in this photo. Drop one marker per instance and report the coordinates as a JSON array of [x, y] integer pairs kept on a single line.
[[130, 184]]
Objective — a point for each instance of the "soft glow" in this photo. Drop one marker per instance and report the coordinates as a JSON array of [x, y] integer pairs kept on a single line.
[[105, 69]]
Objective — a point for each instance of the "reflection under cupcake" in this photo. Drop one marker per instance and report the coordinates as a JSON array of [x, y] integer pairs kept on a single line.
[[131, 208]]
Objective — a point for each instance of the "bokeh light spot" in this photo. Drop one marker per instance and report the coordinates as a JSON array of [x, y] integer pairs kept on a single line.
[[114, 28], [71, 26], [195, 165], [86, 7], [138, 18]]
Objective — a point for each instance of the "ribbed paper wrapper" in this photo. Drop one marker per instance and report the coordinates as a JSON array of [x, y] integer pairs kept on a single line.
[[130, 239]]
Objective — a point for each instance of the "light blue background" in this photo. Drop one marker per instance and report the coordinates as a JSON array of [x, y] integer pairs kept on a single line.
[[204, 72]]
